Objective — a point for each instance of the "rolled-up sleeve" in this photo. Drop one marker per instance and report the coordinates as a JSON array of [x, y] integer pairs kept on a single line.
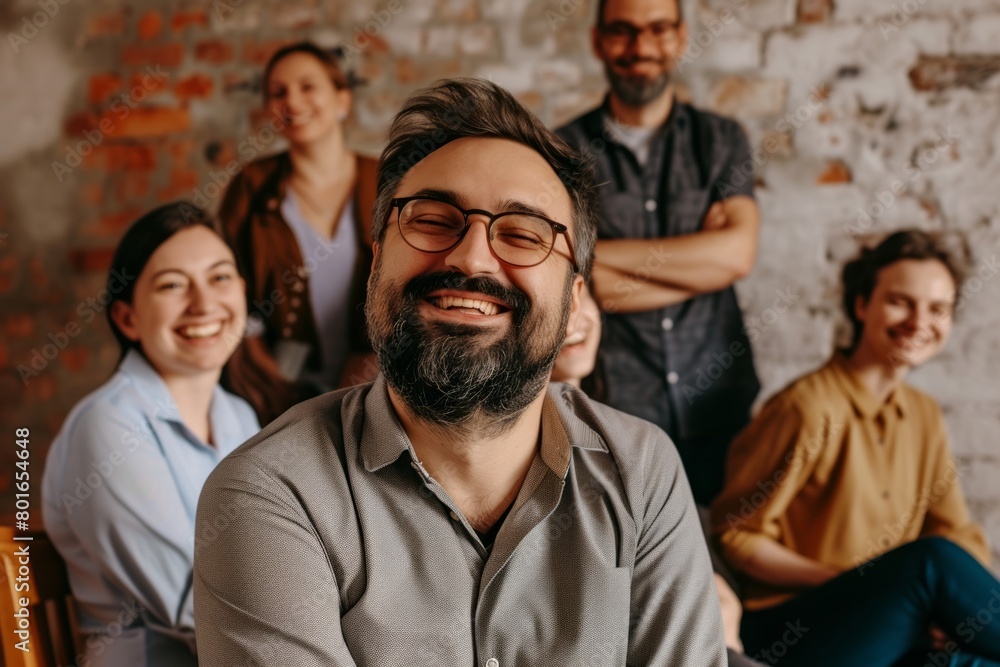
[[947, 513], [768, 463]]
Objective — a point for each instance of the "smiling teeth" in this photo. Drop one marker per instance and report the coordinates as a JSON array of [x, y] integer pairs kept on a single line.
[[575, 338], [485, 307], [201, 330]]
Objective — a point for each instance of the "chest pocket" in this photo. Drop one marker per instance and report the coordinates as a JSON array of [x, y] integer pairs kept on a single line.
[[685, 211]]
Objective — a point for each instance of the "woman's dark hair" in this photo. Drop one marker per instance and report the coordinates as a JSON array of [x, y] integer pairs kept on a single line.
[[861, 275], [326, 58], [141, 240]]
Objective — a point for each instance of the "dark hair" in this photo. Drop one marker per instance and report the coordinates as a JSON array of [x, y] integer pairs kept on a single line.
[[861, 275], [459, 108], [325, 58], [141, 240], [603, 4]]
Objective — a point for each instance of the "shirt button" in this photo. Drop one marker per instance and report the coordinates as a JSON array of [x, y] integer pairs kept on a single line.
[[650, 205], [673, 377], [291, 317], [296, 301], [492, 662], [298, 286], [454, 517], [667, 324]]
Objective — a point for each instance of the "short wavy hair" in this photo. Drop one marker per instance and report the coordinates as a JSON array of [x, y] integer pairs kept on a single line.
[[860, 275], [459, 108]]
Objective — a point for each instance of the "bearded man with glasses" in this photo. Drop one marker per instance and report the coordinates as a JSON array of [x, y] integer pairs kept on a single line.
[[459, 510]]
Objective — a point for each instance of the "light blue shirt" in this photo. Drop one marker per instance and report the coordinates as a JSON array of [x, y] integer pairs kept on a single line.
[[119, 494]]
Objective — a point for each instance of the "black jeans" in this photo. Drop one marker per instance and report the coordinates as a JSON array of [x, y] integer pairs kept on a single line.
[[878, 614]]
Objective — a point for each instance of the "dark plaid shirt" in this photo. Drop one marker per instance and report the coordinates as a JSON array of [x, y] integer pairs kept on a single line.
[[687, 368]]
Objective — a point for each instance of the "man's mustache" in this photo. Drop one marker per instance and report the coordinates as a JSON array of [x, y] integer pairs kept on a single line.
[[418, 288], [628, 61]]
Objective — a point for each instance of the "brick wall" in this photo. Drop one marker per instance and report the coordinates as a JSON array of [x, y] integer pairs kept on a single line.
[[863, 117]]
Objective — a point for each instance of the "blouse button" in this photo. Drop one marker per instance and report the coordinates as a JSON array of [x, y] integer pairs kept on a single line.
[[296, 301], [291, 317], [298, 286]]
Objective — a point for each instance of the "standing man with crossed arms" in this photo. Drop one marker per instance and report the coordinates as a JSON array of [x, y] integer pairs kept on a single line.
[[675, 231]]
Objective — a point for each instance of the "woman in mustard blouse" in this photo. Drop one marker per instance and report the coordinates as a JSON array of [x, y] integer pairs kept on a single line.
[[842, 507]]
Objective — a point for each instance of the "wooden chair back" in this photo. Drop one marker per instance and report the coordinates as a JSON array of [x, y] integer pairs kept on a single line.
[[36, 606]]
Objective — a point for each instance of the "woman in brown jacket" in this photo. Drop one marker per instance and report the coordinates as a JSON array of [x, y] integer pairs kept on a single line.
[[300, 223]]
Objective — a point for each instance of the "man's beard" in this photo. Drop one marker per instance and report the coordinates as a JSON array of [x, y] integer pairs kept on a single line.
[[636, 91], [443, 374]]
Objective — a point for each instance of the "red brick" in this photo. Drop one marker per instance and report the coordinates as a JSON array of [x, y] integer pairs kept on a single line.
[[113, 224], [182, 182], [8, 272], [130, 186], [835, 172], [150, 24], [41, 388], [215, 51], [143, 123], [142, 84], [183, 20], [102, 87], [814, 11], [195, 85], [940, 72], [75, 358], [122, 157], [258, 53], [91, 259], [165, 55], [19, 325], [180, 152], [78, 123], [104, 25]]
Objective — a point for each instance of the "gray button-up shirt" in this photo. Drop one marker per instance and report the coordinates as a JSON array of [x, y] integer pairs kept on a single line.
[[322, 541], [687, 368]]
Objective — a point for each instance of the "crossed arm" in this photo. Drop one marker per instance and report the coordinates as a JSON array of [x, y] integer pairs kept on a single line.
[[635, 275]]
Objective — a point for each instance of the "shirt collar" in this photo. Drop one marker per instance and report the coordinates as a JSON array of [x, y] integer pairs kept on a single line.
[[151, 386], [866, 404], [676, 120], [383, 439]]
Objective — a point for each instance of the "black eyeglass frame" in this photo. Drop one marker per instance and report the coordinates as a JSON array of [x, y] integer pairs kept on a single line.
[[557, 228], [634, 31]]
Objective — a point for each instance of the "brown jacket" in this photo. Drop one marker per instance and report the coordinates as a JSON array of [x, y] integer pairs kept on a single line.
[[278, 282]]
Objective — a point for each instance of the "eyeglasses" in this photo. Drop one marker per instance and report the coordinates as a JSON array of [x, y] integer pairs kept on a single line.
[[519, 239], [623, 33]]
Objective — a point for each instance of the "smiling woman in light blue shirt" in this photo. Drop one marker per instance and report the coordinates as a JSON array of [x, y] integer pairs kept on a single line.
[[123, 476]]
